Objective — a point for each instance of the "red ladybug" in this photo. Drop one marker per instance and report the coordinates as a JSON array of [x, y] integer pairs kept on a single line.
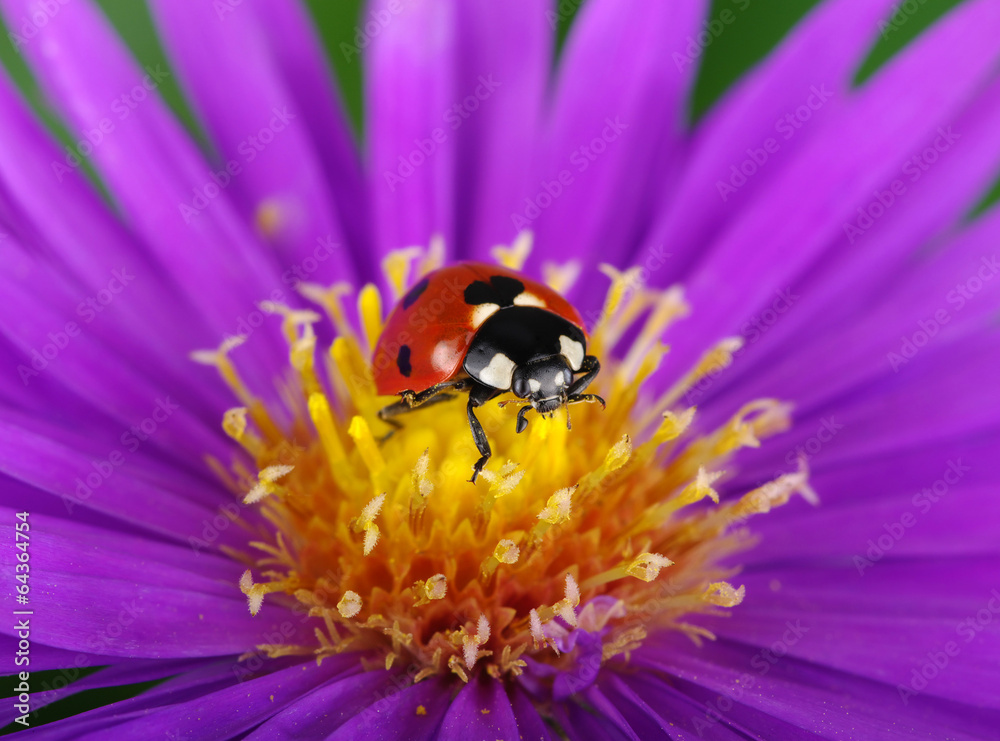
[[486, 330]]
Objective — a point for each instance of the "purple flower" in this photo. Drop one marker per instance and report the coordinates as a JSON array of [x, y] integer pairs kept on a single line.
[[806, 249]]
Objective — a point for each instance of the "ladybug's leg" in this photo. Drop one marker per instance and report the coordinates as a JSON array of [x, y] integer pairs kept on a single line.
[[429, 396], [478, 396], [411, 400], [590, 367]]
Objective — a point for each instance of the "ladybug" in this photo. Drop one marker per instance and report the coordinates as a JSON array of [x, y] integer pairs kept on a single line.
[[486, 330]]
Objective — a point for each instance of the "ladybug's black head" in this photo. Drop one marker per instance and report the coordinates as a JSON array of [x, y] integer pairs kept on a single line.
[[545, 383]]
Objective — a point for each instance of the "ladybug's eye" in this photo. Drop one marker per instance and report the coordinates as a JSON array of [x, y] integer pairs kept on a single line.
[[520, 387]]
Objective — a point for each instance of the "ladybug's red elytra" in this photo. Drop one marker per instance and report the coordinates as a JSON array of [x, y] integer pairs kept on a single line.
[[486, 330]]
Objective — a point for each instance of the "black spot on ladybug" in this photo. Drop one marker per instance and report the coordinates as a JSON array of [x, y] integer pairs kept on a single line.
[[403, 361], [501, 291], [414, 293]]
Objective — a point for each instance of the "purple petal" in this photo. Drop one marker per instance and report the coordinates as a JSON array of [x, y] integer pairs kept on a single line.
[[98, 483], [410, 67], [600, 704], [581, 724], [85, 244], [155, 601], [497, 113], [40, 323], [229, 711], [44, 658], [617, 115], [85, 70], [865, 500], [813, 65], [816, 699], [256, 123], [891, 288], [481, 710], [700, 713], [884, 623], [649, 721], [530, 724], [856, 152], [408, 714], [325, 709], [117, 675], [299, 58], [929, 404]]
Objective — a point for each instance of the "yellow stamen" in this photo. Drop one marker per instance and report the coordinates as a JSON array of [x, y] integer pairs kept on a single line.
[[391, 550], [513, 257], [714, 361], [396, 266], [330, 300], [561, 278], [370, 310]]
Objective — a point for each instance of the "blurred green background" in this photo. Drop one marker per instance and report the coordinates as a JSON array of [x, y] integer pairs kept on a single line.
[[761, 25]]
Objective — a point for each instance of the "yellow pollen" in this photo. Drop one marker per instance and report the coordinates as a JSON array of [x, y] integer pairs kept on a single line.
[[393, 553], [434, 588], [270, 217], [366, 522], [349, 605], [266, 483]]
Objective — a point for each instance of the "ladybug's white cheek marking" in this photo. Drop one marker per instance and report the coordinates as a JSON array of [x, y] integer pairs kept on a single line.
[[534, 385], [483, 312], [499, 373], [572, 351], [560, 380], [528, 299]]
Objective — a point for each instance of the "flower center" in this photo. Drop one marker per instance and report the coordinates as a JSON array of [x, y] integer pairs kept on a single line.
[[385, 541]]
